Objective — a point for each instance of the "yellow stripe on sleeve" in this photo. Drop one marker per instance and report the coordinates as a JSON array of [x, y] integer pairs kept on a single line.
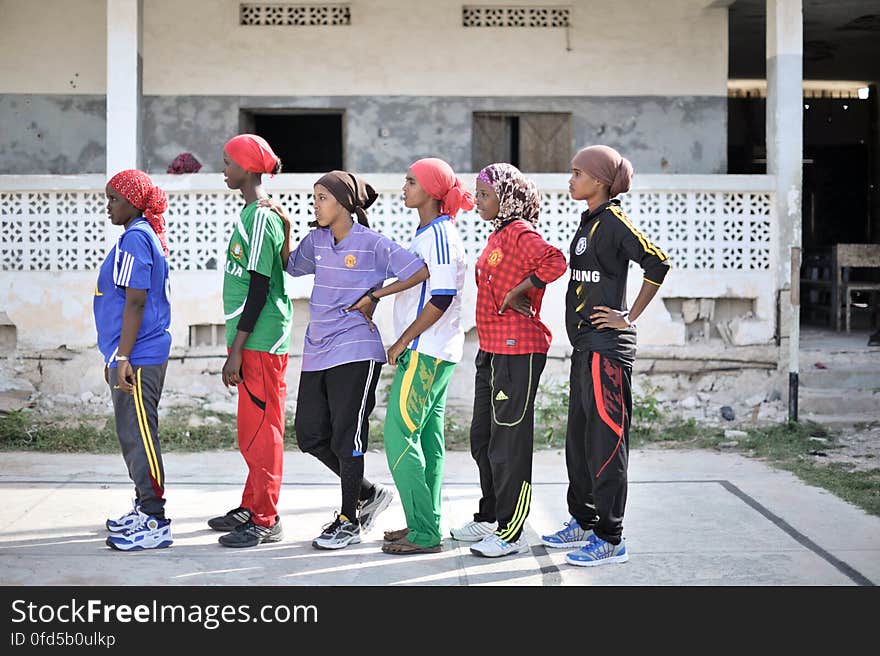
[[643, 240]]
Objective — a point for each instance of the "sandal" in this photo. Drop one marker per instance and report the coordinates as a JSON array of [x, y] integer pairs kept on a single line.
[[404, 546], [394, 536]]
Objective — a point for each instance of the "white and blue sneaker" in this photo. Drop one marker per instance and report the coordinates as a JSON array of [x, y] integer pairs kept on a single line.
[[150, 533], [493, 546], [598, 552], [127, 521], [570, 535]]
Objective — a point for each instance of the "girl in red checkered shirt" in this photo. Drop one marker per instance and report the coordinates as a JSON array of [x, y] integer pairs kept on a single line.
[[511, 274]]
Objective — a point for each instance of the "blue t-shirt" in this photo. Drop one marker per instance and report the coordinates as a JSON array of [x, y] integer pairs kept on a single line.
[[138, 262]]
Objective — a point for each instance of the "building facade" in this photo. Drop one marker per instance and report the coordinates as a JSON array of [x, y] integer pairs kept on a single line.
[[371, 85]]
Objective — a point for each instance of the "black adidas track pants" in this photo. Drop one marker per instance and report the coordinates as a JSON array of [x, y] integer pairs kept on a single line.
[[502, 437]]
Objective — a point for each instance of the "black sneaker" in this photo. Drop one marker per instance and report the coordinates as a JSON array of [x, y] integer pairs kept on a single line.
[[231, 520], [250, 534]]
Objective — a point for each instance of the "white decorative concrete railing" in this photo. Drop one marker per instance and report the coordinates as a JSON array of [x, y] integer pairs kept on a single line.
[[719, 231], [59, 223]]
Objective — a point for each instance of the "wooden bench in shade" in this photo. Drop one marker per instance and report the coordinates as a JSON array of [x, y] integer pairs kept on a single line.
[[856, 256]]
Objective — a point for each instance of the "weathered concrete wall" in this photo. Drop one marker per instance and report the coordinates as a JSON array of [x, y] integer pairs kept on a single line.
[[56, 381], [659, 134], [43, 133], [65, 134], [53, 46], [661, 98], [394, 47]]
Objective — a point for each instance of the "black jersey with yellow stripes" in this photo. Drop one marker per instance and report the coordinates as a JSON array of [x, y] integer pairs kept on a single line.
[[605, 242]]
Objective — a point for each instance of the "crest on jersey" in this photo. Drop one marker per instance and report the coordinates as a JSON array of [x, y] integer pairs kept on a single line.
[[495, 257], [350, 261], [237, 251], [581, 246]]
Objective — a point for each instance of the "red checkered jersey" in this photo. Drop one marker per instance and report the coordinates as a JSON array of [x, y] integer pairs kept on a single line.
[[514, 252]]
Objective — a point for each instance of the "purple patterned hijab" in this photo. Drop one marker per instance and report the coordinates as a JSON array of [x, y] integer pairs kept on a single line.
[[517, 195]]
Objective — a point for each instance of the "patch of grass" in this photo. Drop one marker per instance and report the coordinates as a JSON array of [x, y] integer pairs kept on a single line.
[[785, 446], [21, 431], [675, 432], [551, 414], [457, 432], [859, 487]]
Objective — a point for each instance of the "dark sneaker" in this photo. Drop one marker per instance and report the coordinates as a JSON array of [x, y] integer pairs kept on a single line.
[[250, 534], [370, 509], [231, 520], [338, 534]]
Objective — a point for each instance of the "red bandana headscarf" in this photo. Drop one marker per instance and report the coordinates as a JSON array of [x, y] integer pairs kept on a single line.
[[138, 189], [438, 179], [253, 153]]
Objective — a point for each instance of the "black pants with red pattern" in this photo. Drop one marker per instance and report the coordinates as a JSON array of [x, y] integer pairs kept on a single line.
[[597, 442]]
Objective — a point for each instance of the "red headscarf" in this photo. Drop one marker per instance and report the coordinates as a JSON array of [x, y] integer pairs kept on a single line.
[[438, 179], [138, 189], [253, 153]]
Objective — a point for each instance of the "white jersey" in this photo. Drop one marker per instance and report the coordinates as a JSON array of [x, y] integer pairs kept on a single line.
[[440, 246]]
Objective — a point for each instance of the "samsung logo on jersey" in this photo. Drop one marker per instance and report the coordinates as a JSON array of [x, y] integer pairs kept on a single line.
[[581, 275]]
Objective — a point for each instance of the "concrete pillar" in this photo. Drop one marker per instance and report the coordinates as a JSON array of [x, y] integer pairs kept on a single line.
[[785, 118], [124, 85], [874, 235]]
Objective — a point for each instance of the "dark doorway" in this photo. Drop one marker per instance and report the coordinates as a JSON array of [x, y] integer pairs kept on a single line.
[[306, 142], [837, 163], [838, 170]]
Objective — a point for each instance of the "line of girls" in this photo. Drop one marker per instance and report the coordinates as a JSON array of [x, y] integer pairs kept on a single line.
[[343, 351]]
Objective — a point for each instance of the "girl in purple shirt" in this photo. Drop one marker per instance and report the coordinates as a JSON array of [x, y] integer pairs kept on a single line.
[[343, 350]]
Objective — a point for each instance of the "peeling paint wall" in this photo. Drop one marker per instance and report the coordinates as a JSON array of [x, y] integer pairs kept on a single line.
[[60, 134], [660, 97], [659, 134], [66, 134]]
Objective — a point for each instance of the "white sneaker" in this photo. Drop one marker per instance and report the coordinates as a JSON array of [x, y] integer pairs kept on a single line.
[[150, 533], [126, 521], [494, 547], [338, 534], [369, 510], [473, 531]]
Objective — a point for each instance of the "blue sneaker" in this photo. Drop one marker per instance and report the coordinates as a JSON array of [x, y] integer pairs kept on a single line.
[[150, 533], [598, 552], [127, 521], [570, 535]]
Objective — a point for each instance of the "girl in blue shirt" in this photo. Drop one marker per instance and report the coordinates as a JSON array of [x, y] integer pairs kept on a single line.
[[132, 312]]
